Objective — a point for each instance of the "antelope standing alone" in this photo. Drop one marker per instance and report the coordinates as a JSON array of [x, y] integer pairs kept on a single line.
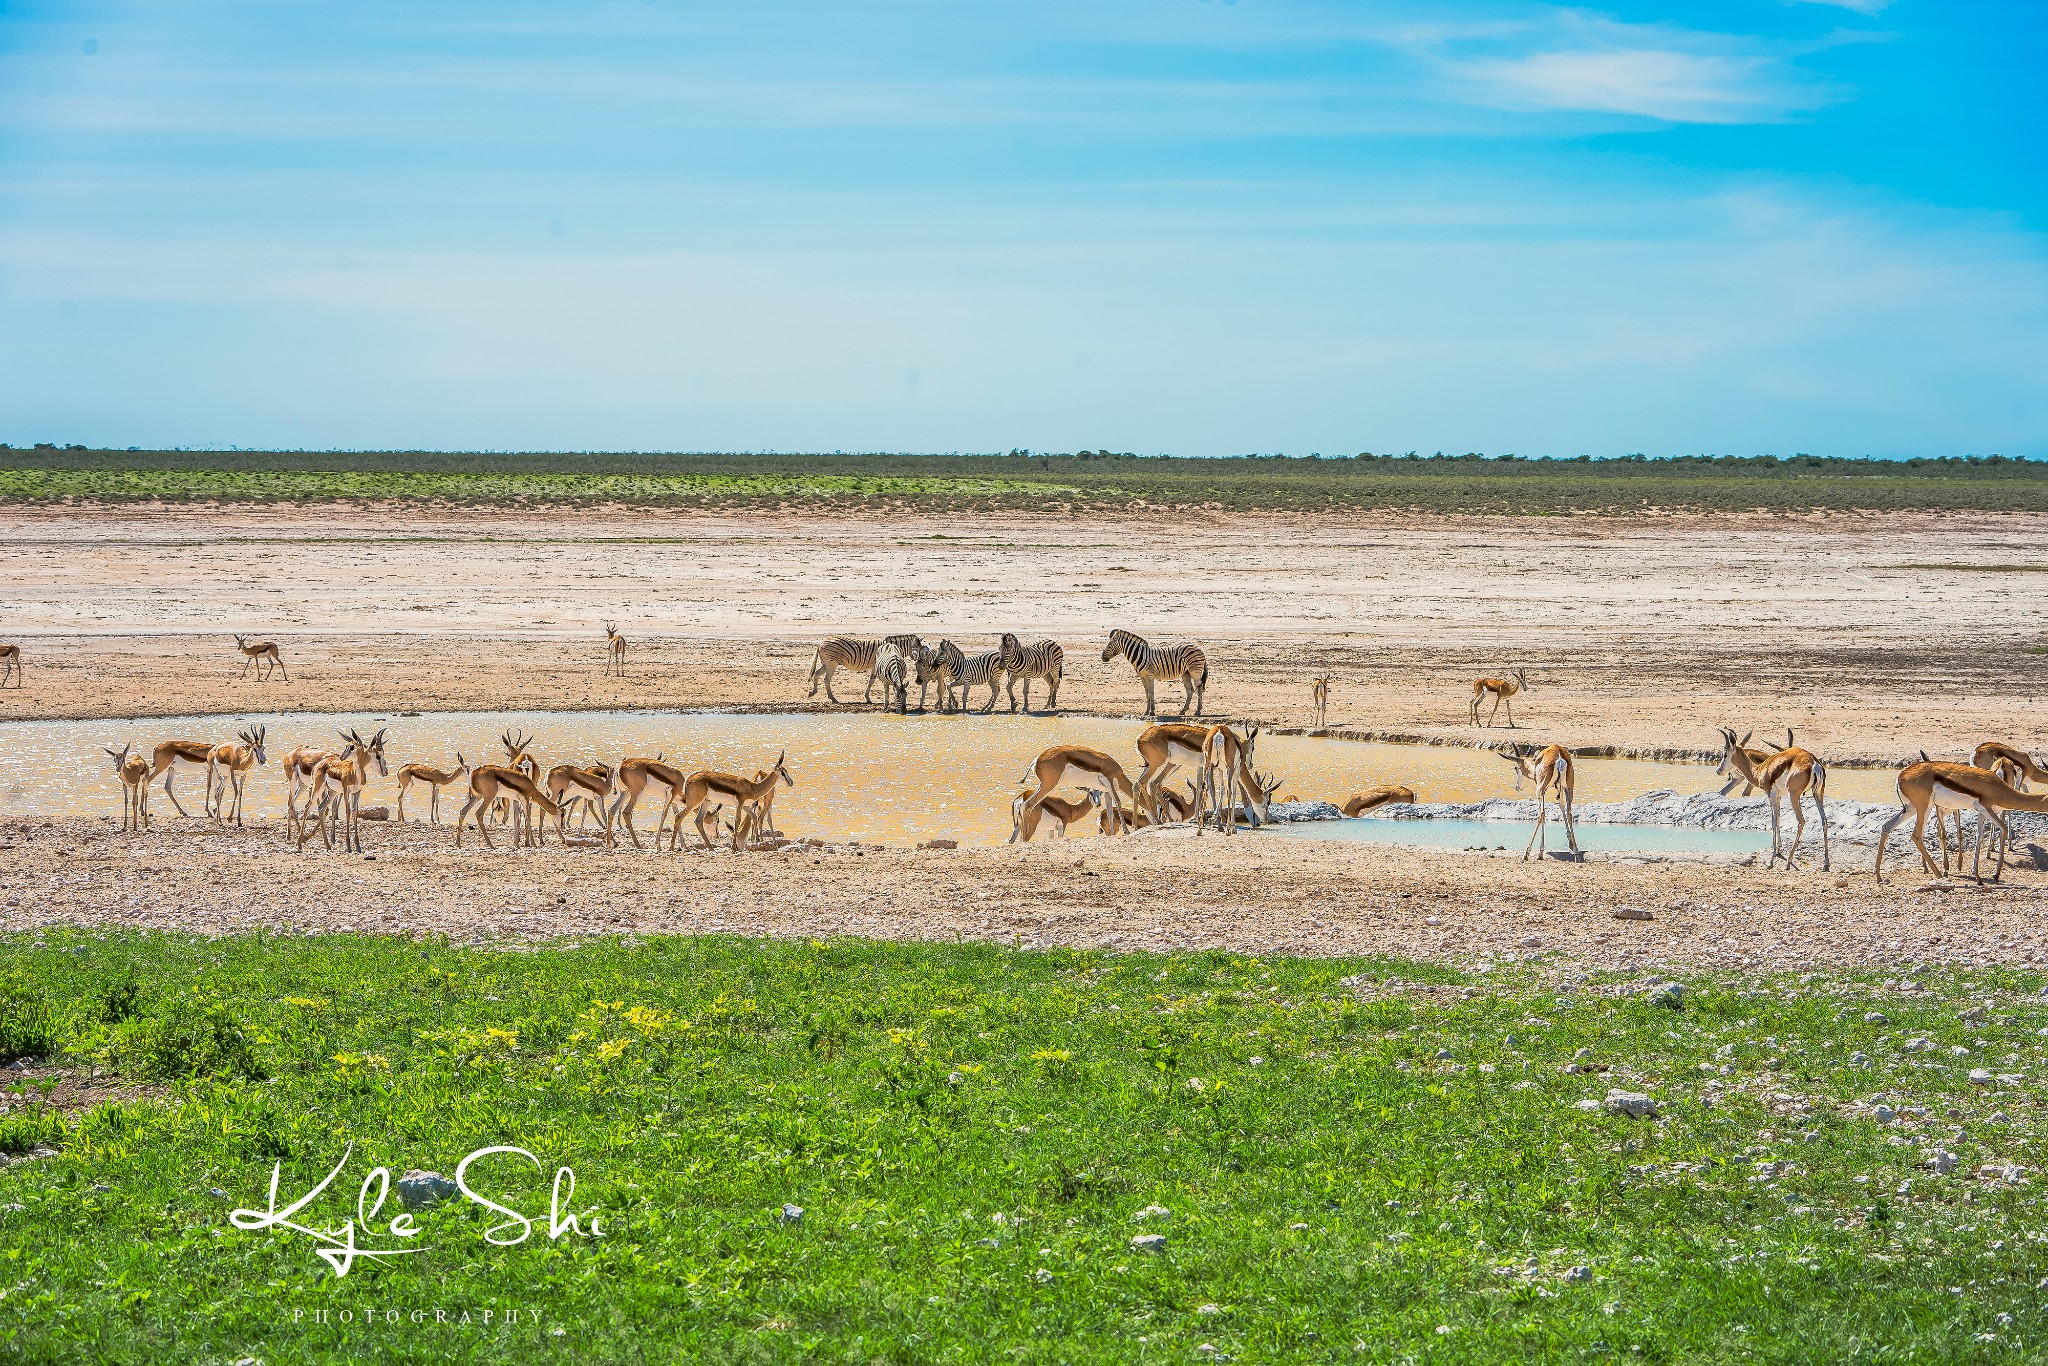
[[1041, 659], [10, 664], [435, 779], [133, 771], [1322, 703], [1185, 663], [1932, 785], [1080, 765], [1791, 773], [1372, 797], [232, 764], [1503, 690], [614, 650], [742, 792], [339, 780], [1551, 770], [263, 653]]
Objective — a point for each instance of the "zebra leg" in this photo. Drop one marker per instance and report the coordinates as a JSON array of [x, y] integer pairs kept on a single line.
[[1151, 706]]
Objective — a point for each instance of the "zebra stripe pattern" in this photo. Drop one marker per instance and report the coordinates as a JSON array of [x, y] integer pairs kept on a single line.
[[893, 672], [1185, 663], [956, 669], [843, 652], [1041, 659]]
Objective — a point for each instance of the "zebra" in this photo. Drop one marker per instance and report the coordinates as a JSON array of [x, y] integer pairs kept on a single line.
[[855, 655], [1186, 663], [1040, 659], [955, 669], [893, 672]]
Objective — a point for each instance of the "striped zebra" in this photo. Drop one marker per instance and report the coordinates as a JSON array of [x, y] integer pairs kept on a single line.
[[1185, 663], [955, 669], [854, 655], [1043, 659], [892, 670]]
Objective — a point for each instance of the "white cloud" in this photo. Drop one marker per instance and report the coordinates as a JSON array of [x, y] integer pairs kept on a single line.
[[1860, 6], [1657, 83]]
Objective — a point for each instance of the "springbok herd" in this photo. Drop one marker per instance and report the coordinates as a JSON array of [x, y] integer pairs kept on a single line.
[[1219, 785]]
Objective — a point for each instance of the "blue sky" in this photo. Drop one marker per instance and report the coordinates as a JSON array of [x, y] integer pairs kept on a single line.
[[1190, 226]]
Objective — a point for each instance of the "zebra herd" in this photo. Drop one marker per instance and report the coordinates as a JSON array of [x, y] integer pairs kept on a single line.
[[897, 661]]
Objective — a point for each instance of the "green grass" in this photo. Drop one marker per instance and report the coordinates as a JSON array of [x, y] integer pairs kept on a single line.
[[1095, 479], [972, 1135]]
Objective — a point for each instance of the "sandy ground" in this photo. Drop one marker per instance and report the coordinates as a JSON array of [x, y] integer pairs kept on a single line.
[[1247, 894], [1644, 634], [1874, 636]]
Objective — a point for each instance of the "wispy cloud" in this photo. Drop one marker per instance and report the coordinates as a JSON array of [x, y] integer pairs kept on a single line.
[[1860, 6], [1596, 65]]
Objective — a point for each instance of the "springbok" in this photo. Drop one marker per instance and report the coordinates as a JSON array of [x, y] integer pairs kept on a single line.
[[1225, 754], [1503, 690], [743, 793], [261, 652], [615, 650], [1932, 785], [10, 664], [1025, 820], [435, 779], [1550, 769], [133, 771], [489, 783], [232, 763], [2011, 764], [340, 780], [634, 775], [1791, 773], [590, 786], [1079, 765], [1321, 702], [173, 757], [1384, 795]]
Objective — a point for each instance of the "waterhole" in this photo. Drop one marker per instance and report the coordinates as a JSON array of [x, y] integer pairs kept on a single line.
[[868, 776]]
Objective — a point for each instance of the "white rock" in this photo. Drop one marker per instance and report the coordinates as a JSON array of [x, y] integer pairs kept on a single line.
[[1149, 1242], [1980, 1077], [420, 1190], [1631, 1103], [791, 1214], [1942, 1162], [1152, 1212]]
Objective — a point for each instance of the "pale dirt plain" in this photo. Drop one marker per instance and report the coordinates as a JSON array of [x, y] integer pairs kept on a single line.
[[1875, 636]]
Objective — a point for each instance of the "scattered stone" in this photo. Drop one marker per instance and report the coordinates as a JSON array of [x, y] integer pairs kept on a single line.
[[2000, 1117], [955, 1080], [1877, 1017], [1152, 1212], [1631, 913], [1432, 920], [1149, 1242], [1919, 1046], [1942, 1162], [1859, 1059], [422, 1190], [1631, 1103], [1579, 1273], [1980, 1077], [1588, 1104], [1209, 1309], [987, 1242], [1883, 1114], [1669, 995], [99, 1190], [791, 1214], [940, 844], [216, 1192], [1443, 1055], [1532, 942]]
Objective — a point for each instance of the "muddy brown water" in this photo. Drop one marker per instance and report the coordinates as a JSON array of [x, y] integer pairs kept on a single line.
[[868, 776]]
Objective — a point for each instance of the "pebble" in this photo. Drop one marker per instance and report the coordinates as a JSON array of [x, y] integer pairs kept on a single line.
[[1152, 1212], [1669, 995], [1631, 1103], [1149, 1242], [1858, 1059], [1942, 1162], [1631, 913], [1919, 1046], [1884, 1114], [421, 1189], [1980, 1077], [1579, 1273], [791, 1214], [1877, 1017]]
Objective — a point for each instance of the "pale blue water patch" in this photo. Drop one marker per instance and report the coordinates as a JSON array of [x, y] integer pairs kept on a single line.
[[1514, 835]]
